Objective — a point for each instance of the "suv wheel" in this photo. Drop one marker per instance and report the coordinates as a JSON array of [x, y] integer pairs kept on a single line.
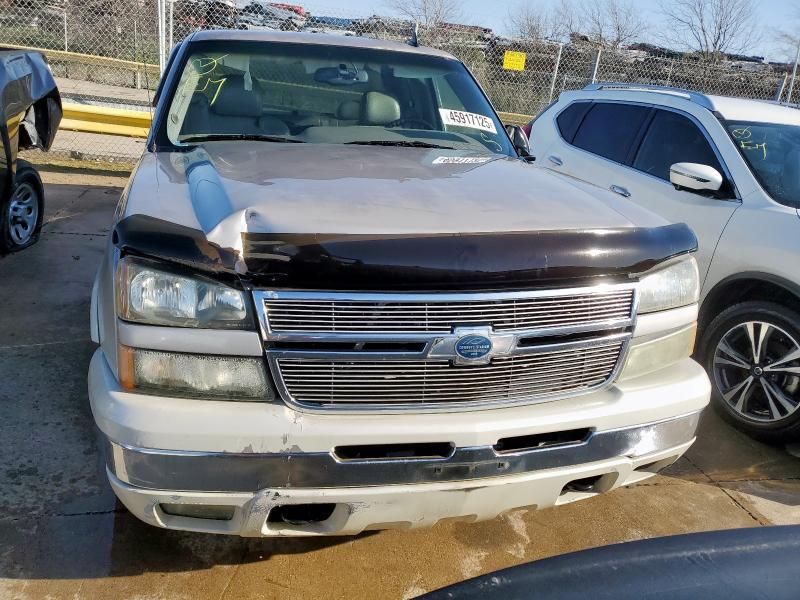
[[752, 354], [21, 216]]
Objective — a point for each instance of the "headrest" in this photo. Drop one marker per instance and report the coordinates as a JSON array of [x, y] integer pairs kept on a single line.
[[232, 100], [380, 109], [349, 110]]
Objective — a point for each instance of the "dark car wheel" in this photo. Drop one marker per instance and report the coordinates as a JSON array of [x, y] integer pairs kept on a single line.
[[752, 354], [22, 213]]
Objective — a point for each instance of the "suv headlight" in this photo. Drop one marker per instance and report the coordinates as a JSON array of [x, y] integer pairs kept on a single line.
[[673, 286], [149, 295]]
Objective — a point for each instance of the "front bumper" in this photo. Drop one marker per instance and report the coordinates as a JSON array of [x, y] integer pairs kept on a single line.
[[356, 509], [254, 457]]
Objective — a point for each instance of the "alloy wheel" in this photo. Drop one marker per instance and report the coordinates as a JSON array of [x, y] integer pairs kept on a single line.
[[757, 371], [23, 213]]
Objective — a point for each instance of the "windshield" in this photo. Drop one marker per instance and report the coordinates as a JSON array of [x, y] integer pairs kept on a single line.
[[773, 152], [331, 95]]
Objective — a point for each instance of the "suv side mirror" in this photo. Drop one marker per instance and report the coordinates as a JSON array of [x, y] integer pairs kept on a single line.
[[520, 141], [695, 177]]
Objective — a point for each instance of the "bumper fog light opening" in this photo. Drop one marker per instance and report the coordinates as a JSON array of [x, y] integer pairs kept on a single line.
[[213, 512]]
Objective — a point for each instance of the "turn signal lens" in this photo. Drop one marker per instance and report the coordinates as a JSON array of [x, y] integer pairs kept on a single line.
[[653, 355], [196, 375]]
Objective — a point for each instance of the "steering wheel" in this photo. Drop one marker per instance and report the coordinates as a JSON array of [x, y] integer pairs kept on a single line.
[[408, 123]]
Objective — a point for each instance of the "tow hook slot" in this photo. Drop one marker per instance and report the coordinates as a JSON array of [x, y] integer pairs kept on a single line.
[[539, 441], [429, 450]]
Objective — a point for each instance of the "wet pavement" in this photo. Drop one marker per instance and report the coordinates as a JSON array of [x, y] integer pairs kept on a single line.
[[63, 535]]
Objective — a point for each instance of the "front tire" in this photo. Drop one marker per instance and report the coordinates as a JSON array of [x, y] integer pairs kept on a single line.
[[22, 214], [751, 352]]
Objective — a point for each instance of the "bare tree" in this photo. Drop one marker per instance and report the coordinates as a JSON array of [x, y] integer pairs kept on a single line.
[[535, 23], [711, 28], [612, 23], [428, 13]]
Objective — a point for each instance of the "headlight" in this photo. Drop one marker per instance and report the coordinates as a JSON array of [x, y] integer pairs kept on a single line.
[[670, 287], [653, 355], [146, 294], [223, 377]]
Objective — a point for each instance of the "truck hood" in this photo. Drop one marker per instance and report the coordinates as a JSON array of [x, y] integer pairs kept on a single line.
[[272, 206]]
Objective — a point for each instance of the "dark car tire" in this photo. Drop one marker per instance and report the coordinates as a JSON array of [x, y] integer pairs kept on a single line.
[[26, 200], [760, 413]]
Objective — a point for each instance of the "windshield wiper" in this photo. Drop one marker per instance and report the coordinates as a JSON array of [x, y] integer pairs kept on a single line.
[[401, 143], [215, 137]]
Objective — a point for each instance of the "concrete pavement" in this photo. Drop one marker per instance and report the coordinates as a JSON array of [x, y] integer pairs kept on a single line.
[[63, 535]]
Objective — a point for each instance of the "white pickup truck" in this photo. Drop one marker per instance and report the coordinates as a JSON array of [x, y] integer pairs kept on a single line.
[[336, 298]]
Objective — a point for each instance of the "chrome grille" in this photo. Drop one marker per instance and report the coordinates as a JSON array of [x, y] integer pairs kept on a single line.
[[528, 376], [556, 311]]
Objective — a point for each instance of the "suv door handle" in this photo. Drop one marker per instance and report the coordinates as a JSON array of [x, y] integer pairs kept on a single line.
[[555, 160], [618, 189]]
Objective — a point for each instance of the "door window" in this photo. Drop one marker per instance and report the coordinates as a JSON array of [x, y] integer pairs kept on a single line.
[[610, 129], [570, 118], [673, 138]]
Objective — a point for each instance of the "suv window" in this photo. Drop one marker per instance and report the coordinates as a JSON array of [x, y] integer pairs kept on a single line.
[[673, 138], [570, 118], [610, 129]]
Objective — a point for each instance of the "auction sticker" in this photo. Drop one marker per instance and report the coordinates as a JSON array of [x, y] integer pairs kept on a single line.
[[461, 160], [459, 118]]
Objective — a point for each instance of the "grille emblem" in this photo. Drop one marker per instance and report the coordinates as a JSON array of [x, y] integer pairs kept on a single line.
[[473, 347]]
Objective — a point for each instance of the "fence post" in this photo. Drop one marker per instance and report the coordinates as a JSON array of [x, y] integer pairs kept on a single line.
[[555, 72], [781, 87], [596, 64], [66, 42], [794, 74], [161, 39], [171, 24]]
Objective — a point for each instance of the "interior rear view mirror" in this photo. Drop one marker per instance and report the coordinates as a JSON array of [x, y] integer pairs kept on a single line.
[[341, 75], [695, 177]]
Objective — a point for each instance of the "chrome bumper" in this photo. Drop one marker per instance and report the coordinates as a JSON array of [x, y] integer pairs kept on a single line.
[[230, 472]]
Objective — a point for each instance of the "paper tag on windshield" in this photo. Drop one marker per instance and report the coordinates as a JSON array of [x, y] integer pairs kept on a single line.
[[459, 118], [461, 160]]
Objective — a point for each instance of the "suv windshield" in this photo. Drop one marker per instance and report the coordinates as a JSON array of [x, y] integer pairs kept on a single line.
[[330, 95], [773, 152]]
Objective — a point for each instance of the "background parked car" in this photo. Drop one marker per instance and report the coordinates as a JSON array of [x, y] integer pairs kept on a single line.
[[31, 111], [267, 16], [730, 168]]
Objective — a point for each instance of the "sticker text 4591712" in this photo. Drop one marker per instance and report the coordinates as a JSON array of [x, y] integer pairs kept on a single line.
[[459, 118]]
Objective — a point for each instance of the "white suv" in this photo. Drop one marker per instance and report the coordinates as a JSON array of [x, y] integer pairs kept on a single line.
[[730, 169]]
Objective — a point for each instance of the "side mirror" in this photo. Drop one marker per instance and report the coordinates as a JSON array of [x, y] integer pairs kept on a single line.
[[519, 140], [695, 177]]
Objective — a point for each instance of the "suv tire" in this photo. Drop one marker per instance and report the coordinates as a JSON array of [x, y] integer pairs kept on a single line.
[[22, 213], [737, 350]]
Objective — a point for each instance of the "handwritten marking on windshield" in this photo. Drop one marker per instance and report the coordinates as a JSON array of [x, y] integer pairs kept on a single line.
[[748, 145], [742, 133]]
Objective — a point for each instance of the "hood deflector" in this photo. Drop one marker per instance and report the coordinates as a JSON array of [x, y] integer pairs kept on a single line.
[[411, 262]]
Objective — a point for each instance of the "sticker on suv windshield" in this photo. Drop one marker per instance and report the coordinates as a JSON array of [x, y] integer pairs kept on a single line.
[[459, 118]]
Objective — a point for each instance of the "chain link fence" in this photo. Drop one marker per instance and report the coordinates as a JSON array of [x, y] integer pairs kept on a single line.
[[111, 52]]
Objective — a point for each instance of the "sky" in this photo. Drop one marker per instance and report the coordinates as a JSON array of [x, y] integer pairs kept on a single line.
[[775, 15]]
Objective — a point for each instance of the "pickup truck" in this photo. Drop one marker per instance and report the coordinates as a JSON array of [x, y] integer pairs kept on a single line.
[[337, 299], [30, 112]]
